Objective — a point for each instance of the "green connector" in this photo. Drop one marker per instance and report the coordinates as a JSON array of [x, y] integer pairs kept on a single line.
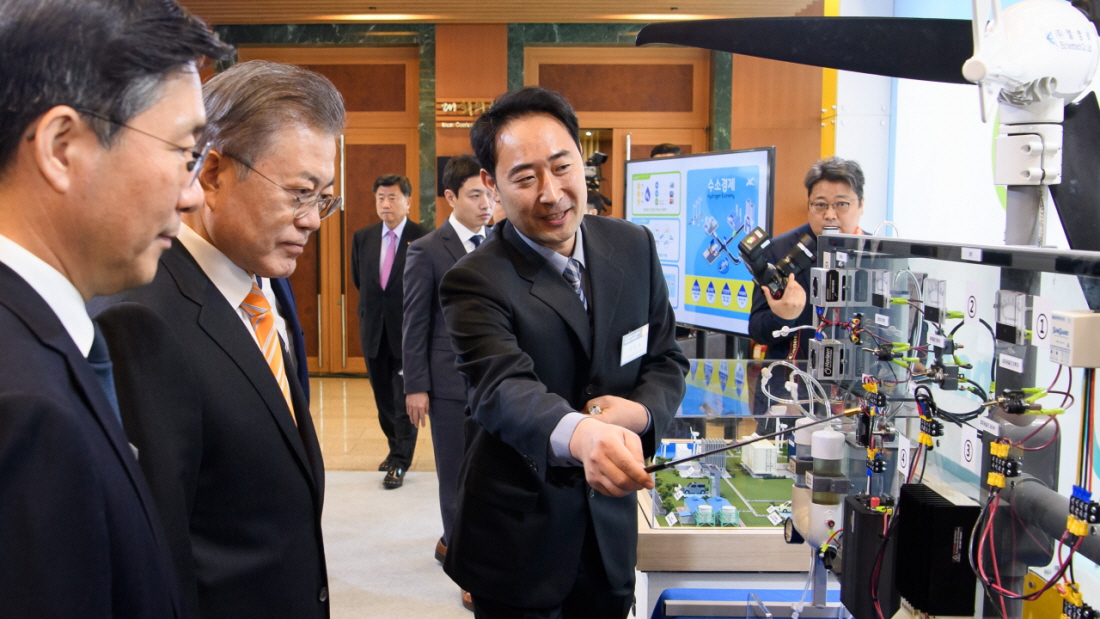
[[1051, 411], [901, 346], [899, 301], [955, 314]]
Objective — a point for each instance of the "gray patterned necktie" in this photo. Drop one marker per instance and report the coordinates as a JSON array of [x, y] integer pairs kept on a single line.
[[572, 274]]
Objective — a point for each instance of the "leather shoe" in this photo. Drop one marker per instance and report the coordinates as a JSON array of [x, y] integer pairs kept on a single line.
[[440, 551], [394, 478], [467, 600], [386, 465]]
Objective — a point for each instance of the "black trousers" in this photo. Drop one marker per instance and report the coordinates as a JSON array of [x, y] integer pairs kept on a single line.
[[590, 598], [449, 443], [389, 396]]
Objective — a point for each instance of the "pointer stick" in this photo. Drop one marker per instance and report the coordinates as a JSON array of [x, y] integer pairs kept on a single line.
[[660, 467]]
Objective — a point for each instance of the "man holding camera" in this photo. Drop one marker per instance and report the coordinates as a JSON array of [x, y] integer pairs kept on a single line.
[[834, 188]]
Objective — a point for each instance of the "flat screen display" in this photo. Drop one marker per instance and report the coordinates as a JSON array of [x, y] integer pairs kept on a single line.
[[699, 207]]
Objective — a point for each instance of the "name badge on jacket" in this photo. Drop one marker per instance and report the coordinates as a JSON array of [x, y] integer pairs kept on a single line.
[[634, 344]]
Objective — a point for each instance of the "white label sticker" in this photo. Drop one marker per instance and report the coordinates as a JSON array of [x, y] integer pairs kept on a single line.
[[1040, 322], [671, 520], [972, 254], [882, 320], [989, 426], [841, 259], [634, 344], [775, 519], [970, 309], [970, 450], [936, 339], [678, 495], [904, 445], [1009, 362]]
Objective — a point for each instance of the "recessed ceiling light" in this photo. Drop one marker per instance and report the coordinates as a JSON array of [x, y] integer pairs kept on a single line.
[[378, 17], [648, 17]]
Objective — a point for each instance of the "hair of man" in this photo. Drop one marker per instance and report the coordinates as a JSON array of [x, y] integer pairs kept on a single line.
[[836, 170], [665, 149], [457, 170], [516, 104], [389, 180], [248, 103], [108, 57]]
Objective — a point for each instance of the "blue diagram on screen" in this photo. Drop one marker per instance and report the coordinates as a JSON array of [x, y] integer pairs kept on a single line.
[[721, 203]]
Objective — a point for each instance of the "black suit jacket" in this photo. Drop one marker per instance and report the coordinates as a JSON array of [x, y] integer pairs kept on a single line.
[[81, 536], [288, 309], [428, 357], [532, 355], [379, 310], [239, 485]]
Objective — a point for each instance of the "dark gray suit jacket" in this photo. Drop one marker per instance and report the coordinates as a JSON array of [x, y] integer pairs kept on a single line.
[[81, 536], [238, 484], [428, 358], [379, 309], [532, 355]]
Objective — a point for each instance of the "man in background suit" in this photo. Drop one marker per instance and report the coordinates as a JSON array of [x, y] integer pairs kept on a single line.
[[433, 385], [207, 388], [565, 333], [96, 150], [377, 264], [296, 338]]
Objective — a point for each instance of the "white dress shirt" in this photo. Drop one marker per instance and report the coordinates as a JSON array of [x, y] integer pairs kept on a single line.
[[232, 281], [465, 234], [54, 288]]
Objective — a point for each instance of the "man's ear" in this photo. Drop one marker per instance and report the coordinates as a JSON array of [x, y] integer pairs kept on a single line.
[[450, 196], [490, 182], [61, 139], [210, 176]]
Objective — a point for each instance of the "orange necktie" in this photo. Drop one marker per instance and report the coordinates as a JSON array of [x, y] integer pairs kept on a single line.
[[263, 323]]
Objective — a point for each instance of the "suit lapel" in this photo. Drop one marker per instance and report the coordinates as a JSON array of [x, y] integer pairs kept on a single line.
[[398, 269], [222, 323], [550, 287], [24, 302], [451, 241], [372, 246], [605, 282]]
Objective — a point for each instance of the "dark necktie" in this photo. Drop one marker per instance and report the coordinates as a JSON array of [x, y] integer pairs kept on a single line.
[[572, 274], [476, 240], [100, 360]]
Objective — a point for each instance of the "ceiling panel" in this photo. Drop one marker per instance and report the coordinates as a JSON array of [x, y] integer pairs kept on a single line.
[[480, 11]]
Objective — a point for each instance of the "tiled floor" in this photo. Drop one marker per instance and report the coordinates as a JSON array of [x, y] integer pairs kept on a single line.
[[347, 427]]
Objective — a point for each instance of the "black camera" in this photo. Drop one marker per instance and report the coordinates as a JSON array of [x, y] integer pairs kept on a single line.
[[773, 277]]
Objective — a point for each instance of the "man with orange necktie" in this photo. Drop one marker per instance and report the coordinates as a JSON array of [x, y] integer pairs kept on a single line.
[[204, 373], [377, 265]]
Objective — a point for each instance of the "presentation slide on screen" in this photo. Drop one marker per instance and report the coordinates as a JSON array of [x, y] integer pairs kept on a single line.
[[699, 207]]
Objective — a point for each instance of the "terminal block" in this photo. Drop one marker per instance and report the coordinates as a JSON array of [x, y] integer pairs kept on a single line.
[[1083, 511], [875, 463], [1002, 466], [1073, 605], [929, 429]]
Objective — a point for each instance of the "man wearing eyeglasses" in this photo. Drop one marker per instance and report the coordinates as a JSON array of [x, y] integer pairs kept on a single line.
[[206, 381], [95, 156], [834, 189]]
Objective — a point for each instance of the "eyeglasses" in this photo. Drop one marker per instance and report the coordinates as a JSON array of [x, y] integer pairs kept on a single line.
[[198, 156], [839, 207], [326, 205]]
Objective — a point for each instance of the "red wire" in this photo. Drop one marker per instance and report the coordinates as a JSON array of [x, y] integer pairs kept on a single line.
[[1057, 429]]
